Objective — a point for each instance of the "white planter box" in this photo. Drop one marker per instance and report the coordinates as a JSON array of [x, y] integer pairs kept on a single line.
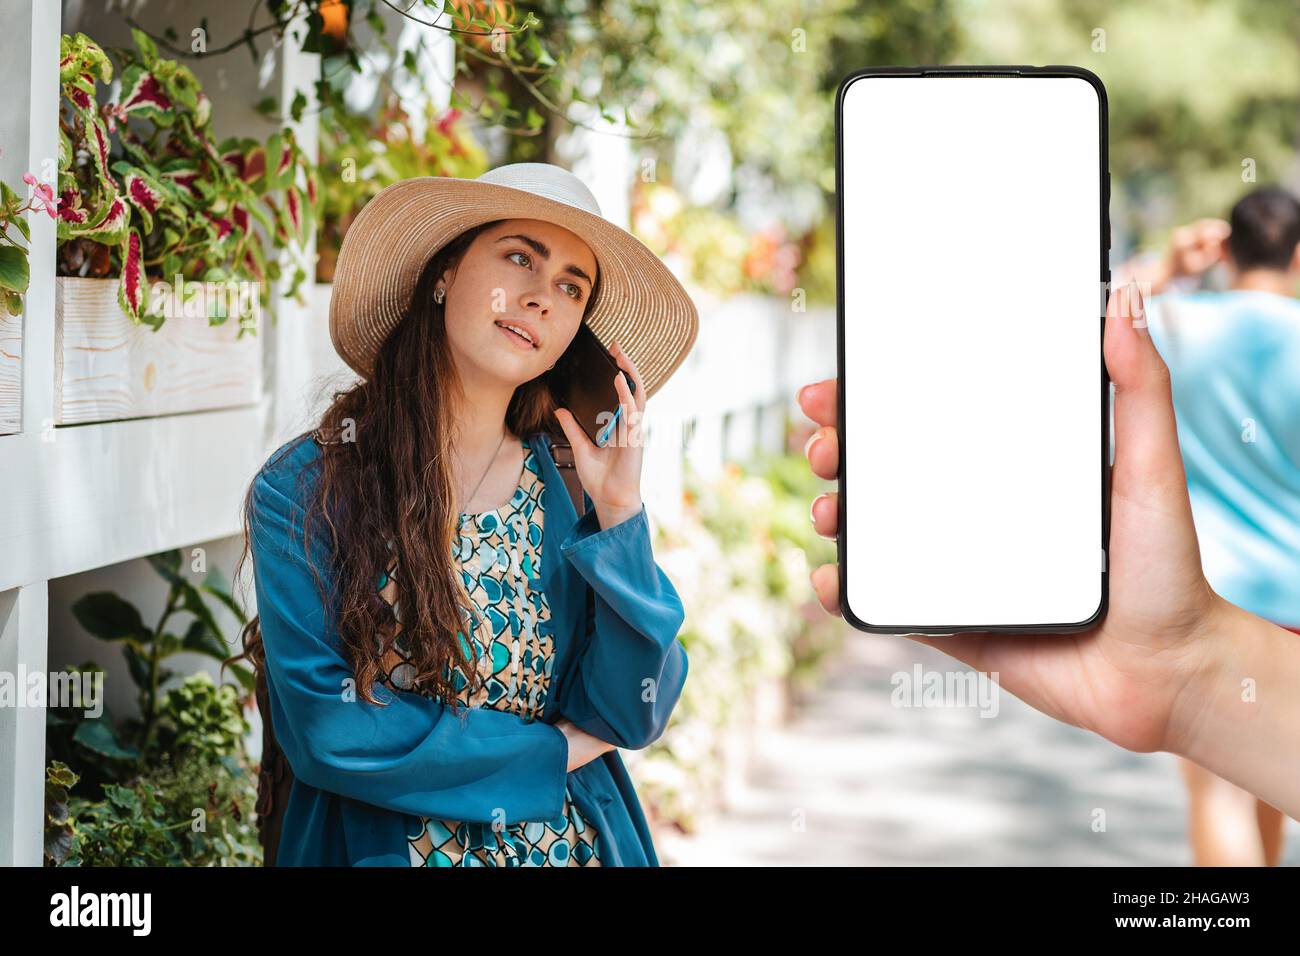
[[11, 373], [108, 368]]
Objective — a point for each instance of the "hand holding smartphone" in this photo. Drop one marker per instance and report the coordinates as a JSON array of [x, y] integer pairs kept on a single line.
[[973, 406], [1163, 669], [582, 381]]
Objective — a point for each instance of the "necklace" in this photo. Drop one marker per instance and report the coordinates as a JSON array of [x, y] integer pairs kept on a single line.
[[489, 468]]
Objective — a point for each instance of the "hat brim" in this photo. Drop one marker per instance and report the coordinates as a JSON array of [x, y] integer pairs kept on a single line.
[[641, 303]]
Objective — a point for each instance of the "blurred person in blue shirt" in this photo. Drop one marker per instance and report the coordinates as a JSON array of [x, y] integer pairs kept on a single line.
[[1234, 366]]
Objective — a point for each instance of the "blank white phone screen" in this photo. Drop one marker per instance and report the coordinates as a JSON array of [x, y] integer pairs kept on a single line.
[[972, 371]]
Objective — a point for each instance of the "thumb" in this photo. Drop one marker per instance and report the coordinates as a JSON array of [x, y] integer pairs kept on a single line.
[[1146, 434]]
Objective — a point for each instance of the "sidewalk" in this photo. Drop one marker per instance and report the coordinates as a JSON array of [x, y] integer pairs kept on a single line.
[[880, 785]]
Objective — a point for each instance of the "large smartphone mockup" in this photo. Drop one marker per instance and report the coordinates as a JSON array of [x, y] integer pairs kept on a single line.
[[973, 238]]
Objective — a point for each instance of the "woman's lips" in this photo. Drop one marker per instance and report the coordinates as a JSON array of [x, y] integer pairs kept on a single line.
[[519, 340]]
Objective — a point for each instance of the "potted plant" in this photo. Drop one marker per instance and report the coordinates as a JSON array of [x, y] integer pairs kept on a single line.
[[173, 786], [146, 197]]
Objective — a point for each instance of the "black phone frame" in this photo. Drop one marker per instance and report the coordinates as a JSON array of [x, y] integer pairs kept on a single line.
[[1104, 172], [561, 388]]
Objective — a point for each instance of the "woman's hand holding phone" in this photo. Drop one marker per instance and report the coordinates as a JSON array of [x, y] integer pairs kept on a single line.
[[612, 475], [1164, 669]]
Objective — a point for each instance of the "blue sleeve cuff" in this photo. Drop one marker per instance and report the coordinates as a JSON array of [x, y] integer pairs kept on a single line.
[[588, 533]]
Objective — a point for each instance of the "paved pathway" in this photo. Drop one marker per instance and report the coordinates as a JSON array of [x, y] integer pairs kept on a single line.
[[854, 780]]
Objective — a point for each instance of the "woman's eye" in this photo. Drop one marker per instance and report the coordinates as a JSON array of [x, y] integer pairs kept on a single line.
[[576, 294]]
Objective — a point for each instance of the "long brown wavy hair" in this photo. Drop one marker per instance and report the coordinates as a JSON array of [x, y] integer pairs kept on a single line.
[[392, 480]]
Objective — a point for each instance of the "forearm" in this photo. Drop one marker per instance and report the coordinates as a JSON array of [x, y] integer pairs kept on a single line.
[[583, 747], [612, 517], [1239, 717]]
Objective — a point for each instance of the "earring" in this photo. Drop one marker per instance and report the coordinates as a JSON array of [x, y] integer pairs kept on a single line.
[[439, 295]]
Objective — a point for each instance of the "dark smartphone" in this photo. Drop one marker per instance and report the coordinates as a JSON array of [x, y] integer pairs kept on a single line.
[[583, 382], [974, 456]]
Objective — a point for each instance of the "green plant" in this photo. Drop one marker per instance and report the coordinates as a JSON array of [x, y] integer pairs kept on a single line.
[[740, 556], [724, 258], [93, 745], [493, 33], [188, 810], [60, 836], [129, 827], [201, 717], [145, 191], [794, 487], [361, 155], [146, 648], [182, 795]]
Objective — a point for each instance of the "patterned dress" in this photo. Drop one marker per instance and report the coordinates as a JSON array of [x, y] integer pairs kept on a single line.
[[499, 553]]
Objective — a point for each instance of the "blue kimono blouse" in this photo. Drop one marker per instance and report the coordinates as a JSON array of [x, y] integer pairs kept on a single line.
[[365, 774]]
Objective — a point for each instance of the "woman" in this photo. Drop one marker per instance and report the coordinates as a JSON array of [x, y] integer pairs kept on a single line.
[[474, 719]]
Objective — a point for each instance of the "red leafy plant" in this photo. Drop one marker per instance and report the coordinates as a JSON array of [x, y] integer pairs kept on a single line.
[[147, 194]]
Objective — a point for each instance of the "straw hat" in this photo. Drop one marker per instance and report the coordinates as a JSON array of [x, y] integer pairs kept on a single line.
[[640, 303]]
